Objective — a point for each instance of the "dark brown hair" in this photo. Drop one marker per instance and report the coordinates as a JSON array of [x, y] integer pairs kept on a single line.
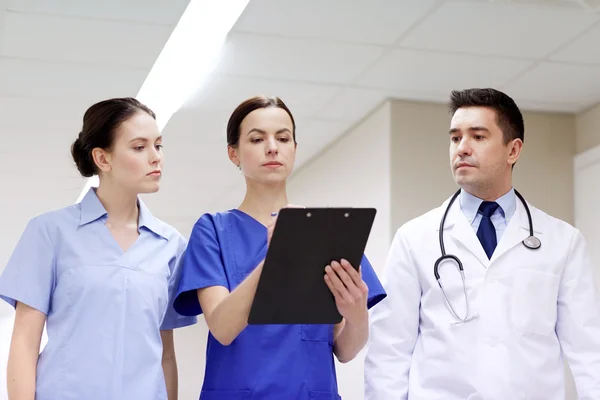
[[245, 108], [508, 115], [99, 124]]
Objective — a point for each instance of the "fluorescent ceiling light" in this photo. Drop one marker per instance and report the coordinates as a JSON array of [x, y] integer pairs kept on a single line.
[[186, 61]]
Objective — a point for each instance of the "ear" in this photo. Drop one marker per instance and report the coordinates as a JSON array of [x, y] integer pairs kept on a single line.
[[515, 151], [232, 153], [102, 159]]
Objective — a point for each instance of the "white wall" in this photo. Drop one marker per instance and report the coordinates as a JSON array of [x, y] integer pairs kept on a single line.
[[6, 323], [355, 172], [587, 198], [588, 134], [190, 350]]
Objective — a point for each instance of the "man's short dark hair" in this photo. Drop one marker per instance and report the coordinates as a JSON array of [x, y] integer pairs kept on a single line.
[[508, 115]]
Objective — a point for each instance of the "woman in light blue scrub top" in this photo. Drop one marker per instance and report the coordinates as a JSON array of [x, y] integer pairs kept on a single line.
[[223, 264], [101, 274]]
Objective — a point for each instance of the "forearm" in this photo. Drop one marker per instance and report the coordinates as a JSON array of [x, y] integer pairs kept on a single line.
[[169, 365], [351, 339], [230, 315], [21, 372]]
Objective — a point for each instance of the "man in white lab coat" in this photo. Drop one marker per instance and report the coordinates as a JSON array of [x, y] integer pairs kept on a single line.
[[500, 336]]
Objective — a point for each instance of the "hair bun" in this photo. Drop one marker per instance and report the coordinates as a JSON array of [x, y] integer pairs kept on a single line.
[[81, 158]]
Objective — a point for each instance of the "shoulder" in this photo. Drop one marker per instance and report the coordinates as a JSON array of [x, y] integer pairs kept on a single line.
[[51, 222], [551, 225], [169, 232], [425, 223], [215, 221]]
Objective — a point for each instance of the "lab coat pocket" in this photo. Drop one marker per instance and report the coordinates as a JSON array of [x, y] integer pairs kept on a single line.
[[317, 333], [534, 301], [226, 395], [314, 395]]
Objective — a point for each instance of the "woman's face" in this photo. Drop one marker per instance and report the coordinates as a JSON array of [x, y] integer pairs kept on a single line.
[[266, 150], [135, 160]]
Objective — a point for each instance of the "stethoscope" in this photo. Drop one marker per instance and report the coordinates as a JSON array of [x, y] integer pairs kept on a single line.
[[531, 242]]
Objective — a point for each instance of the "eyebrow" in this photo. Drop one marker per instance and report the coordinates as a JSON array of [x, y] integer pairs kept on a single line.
[[471, 129], [282, 130], [143, 139]]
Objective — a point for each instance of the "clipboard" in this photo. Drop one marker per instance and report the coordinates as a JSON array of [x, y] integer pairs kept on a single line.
[[292, 289]]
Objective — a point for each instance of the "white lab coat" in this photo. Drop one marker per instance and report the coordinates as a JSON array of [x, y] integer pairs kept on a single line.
[[525, 305]]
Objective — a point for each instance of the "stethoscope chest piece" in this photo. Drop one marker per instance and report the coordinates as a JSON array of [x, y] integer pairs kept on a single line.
[[532, 243]]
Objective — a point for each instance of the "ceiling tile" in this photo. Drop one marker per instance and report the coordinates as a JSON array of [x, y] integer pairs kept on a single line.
[[295, 59], [547, 106], [559, 83], [422, 96], [581, 50], [225, 92], [439, 73], [54, 120], [150, 11], [559, 4], [27, 78], [320, 131], [43, 37], [503, 29], [314, 135], [339, 20], [352, 103], [195, 126]]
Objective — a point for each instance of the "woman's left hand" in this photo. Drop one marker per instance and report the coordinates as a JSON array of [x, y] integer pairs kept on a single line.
[[349, 290]]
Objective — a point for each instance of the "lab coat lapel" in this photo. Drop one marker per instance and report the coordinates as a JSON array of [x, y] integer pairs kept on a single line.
[[516, 231], [462, 233]]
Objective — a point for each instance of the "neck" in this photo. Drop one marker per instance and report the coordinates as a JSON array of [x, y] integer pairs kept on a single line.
[[489, 193], [121, 205], [261, 200]]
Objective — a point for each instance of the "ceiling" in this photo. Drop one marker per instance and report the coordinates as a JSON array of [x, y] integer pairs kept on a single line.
[[332, 61]]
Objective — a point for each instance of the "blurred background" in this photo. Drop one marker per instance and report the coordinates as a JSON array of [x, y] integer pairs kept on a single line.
[[367, 81]]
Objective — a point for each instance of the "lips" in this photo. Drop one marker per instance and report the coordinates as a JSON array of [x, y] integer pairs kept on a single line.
[[155, 172], [463, 164], [273, 164]]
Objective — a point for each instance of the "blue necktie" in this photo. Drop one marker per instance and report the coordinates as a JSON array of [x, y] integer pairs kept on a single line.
[[486, 232]]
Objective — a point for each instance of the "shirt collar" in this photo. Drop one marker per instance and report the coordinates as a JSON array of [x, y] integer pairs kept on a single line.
[[469, 205], [92, 210]]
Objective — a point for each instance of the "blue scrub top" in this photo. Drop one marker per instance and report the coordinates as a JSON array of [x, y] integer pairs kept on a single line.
[[265, 361], [105, 307]]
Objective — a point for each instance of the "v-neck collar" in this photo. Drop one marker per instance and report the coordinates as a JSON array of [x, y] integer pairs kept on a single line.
[[92, 210]]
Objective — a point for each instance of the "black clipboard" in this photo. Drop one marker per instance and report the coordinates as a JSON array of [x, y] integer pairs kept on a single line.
[[291, 289]]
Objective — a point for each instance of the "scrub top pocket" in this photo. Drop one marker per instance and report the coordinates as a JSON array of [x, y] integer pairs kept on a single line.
[[317, 333]]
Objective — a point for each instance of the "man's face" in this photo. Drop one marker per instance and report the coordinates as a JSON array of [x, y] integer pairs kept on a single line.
[[479, 157]]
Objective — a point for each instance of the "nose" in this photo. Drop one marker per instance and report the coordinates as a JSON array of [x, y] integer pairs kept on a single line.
[[464, 147], [272, 148], [155, 156]]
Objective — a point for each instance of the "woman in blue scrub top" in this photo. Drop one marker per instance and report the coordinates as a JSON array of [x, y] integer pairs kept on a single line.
[[100, 274], [223, 264]]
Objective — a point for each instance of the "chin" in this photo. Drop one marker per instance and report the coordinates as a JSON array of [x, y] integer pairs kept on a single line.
[[149, 188], [462, 180], [271, 179]]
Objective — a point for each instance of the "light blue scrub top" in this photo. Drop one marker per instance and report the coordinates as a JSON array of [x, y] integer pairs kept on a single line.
[[266, 362], [105, 307]]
